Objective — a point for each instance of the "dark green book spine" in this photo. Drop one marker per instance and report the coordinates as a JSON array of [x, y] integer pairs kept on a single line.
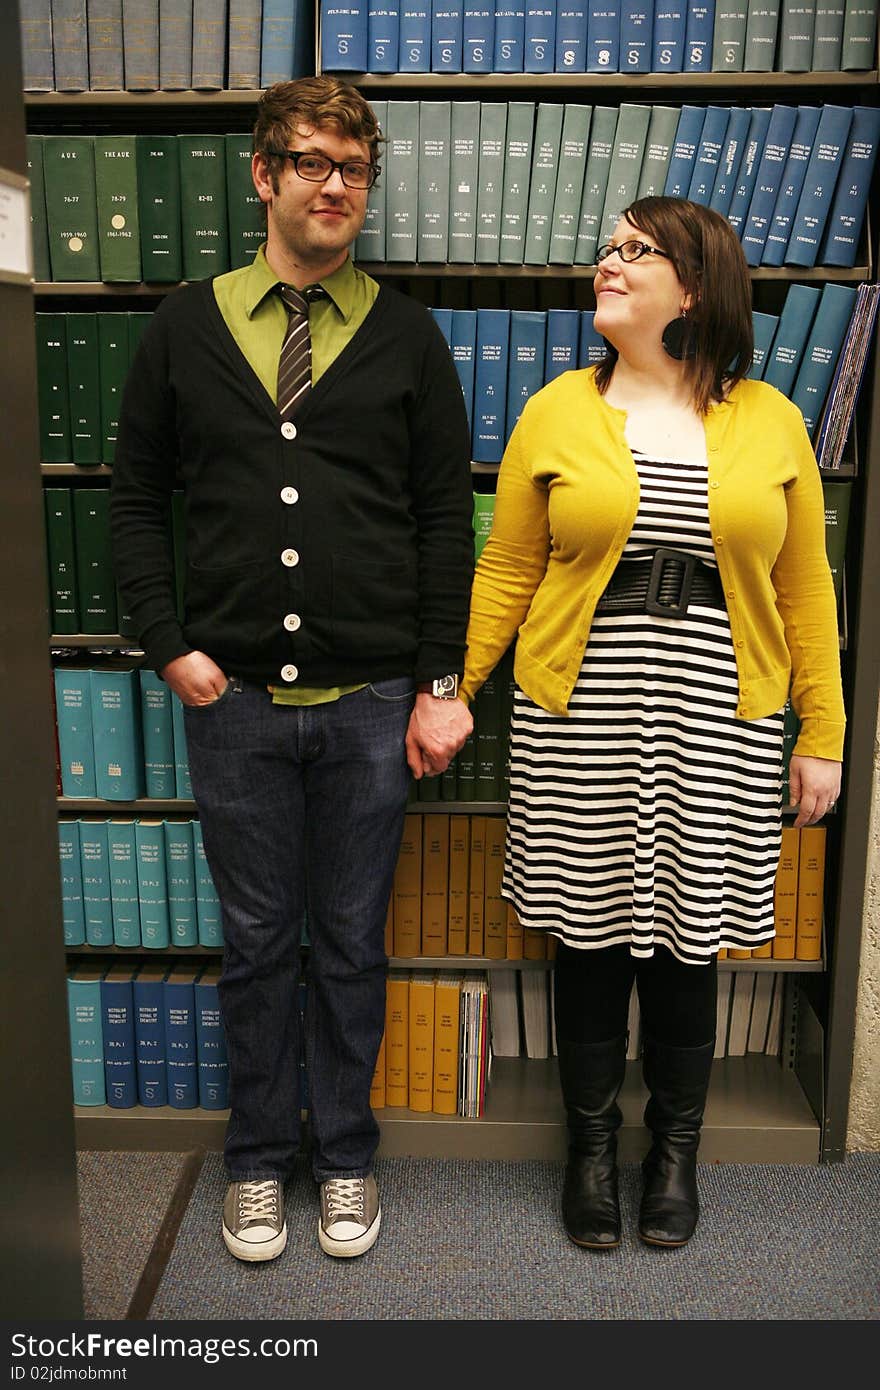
[[53, 393], [488, 705], [62, 559], [158, 171], [466, 771], [203, 206], [247, 221], [837, 499], [116, 189], [85, 388], [71, 208], [94, 567], [113, 369], [39, 227]]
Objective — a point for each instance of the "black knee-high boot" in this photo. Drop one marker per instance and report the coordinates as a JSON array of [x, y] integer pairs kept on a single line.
[[591, 1075], [678, 1079]]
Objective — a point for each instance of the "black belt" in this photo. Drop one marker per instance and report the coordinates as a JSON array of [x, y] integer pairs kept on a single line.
[[664, 585]]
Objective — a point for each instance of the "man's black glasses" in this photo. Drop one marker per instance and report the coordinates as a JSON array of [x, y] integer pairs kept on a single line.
[[630, 251], [317, 168]]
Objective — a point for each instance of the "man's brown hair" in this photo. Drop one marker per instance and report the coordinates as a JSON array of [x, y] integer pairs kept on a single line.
[[710, 264], [316, 102]]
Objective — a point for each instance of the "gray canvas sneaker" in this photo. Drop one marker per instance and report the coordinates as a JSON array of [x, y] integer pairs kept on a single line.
[[350, 1215], [253, 1219]]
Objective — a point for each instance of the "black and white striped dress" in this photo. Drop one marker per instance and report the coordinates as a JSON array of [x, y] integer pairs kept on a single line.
[[651, 815]]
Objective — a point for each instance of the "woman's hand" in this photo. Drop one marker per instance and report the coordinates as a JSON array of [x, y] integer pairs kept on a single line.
[[814, 786]]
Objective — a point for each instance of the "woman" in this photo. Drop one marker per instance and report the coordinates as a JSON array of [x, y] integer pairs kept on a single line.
[[658, 551]]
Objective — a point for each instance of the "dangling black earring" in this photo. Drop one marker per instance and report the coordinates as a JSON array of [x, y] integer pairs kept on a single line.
[[679, 339]]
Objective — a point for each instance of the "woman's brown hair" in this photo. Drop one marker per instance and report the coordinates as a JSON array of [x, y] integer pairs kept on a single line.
[[718, 339]]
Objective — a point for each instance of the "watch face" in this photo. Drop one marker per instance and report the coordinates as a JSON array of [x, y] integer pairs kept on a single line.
[[446, 687]]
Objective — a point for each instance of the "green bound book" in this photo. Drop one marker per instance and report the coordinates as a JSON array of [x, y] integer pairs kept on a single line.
[[602, 131], [53, 396], [542, 186], [464, 167], [569, 183], [515, 193], [493, 129], [203, 206], [370, 243], [401, 179], [484, 511], [658, 151], [113, 369], [158, 172], [117, 197], [94, 566], [39, 228], [61, 553], [71, 207], [488, 707], [837, 499], [433, 237], [626, 164], [247, 220], [83, 373]]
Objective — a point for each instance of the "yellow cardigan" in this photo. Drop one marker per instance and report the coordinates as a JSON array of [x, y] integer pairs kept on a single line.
[[568, 493]]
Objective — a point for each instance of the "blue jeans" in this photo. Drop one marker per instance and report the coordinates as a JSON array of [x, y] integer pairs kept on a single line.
[[302, 816]]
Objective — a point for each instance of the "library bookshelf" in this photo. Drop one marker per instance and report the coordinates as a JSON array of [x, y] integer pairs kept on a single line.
[[761, 1109]]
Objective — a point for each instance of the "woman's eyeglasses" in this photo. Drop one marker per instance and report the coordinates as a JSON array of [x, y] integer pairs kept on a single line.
[[317, 168], [630, 251]]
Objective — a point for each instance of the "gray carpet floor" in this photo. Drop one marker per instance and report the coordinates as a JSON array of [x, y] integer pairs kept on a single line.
[[123, 1198], [483, 1240]]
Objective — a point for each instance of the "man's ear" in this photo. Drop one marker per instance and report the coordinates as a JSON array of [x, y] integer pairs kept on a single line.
[[262, 178]]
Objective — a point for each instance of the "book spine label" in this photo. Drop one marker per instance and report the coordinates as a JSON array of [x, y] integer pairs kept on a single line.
[[117, 202], [344, 34], [203, 206], [415, 42], [71, 208], [446, 30], [464, 163], [510, 28], [124, 899], [383, 36]]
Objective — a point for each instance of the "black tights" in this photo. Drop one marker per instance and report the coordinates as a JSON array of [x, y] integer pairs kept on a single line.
[[592, 990]]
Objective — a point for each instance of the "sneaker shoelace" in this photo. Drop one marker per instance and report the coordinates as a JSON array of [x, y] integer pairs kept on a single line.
[[257, 1199], [345, 1197]]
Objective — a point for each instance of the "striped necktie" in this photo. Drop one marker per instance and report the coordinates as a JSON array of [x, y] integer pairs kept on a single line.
[[295, 362]]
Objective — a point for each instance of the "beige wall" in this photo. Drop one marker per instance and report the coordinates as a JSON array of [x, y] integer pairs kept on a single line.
[[864, 1112]]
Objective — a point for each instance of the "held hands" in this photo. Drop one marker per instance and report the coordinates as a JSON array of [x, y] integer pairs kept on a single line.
[[814, 786], [437, 729], [195, 678]]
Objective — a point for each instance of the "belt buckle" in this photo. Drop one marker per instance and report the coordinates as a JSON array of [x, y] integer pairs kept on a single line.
[[662, 557]]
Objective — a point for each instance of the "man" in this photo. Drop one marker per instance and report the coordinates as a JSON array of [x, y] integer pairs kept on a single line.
[[322, 443]]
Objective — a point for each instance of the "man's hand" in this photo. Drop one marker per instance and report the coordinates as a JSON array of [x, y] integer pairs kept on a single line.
[[437, 729], [813, 786], [195, 678]]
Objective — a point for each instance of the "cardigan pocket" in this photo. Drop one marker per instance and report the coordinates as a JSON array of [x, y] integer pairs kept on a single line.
[[374, 607]]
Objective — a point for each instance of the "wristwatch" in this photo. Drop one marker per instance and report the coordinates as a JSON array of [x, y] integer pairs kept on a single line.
[[443, 687]]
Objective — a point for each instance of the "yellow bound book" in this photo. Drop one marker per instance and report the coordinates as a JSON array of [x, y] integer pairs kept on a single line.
[[764, 951], [459, 863], [421, 1042], [514, 934], [435, 884], [495, 908], [811, 883], [377, 1087], [722, 953], [477, 886], [408, 890], [447, 998], [397, 1039], [785, 894], [534, 944]]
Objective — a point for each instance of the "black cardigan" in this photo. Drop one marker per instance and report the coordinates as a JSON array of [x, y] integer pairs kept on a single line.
[[381, 524]]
